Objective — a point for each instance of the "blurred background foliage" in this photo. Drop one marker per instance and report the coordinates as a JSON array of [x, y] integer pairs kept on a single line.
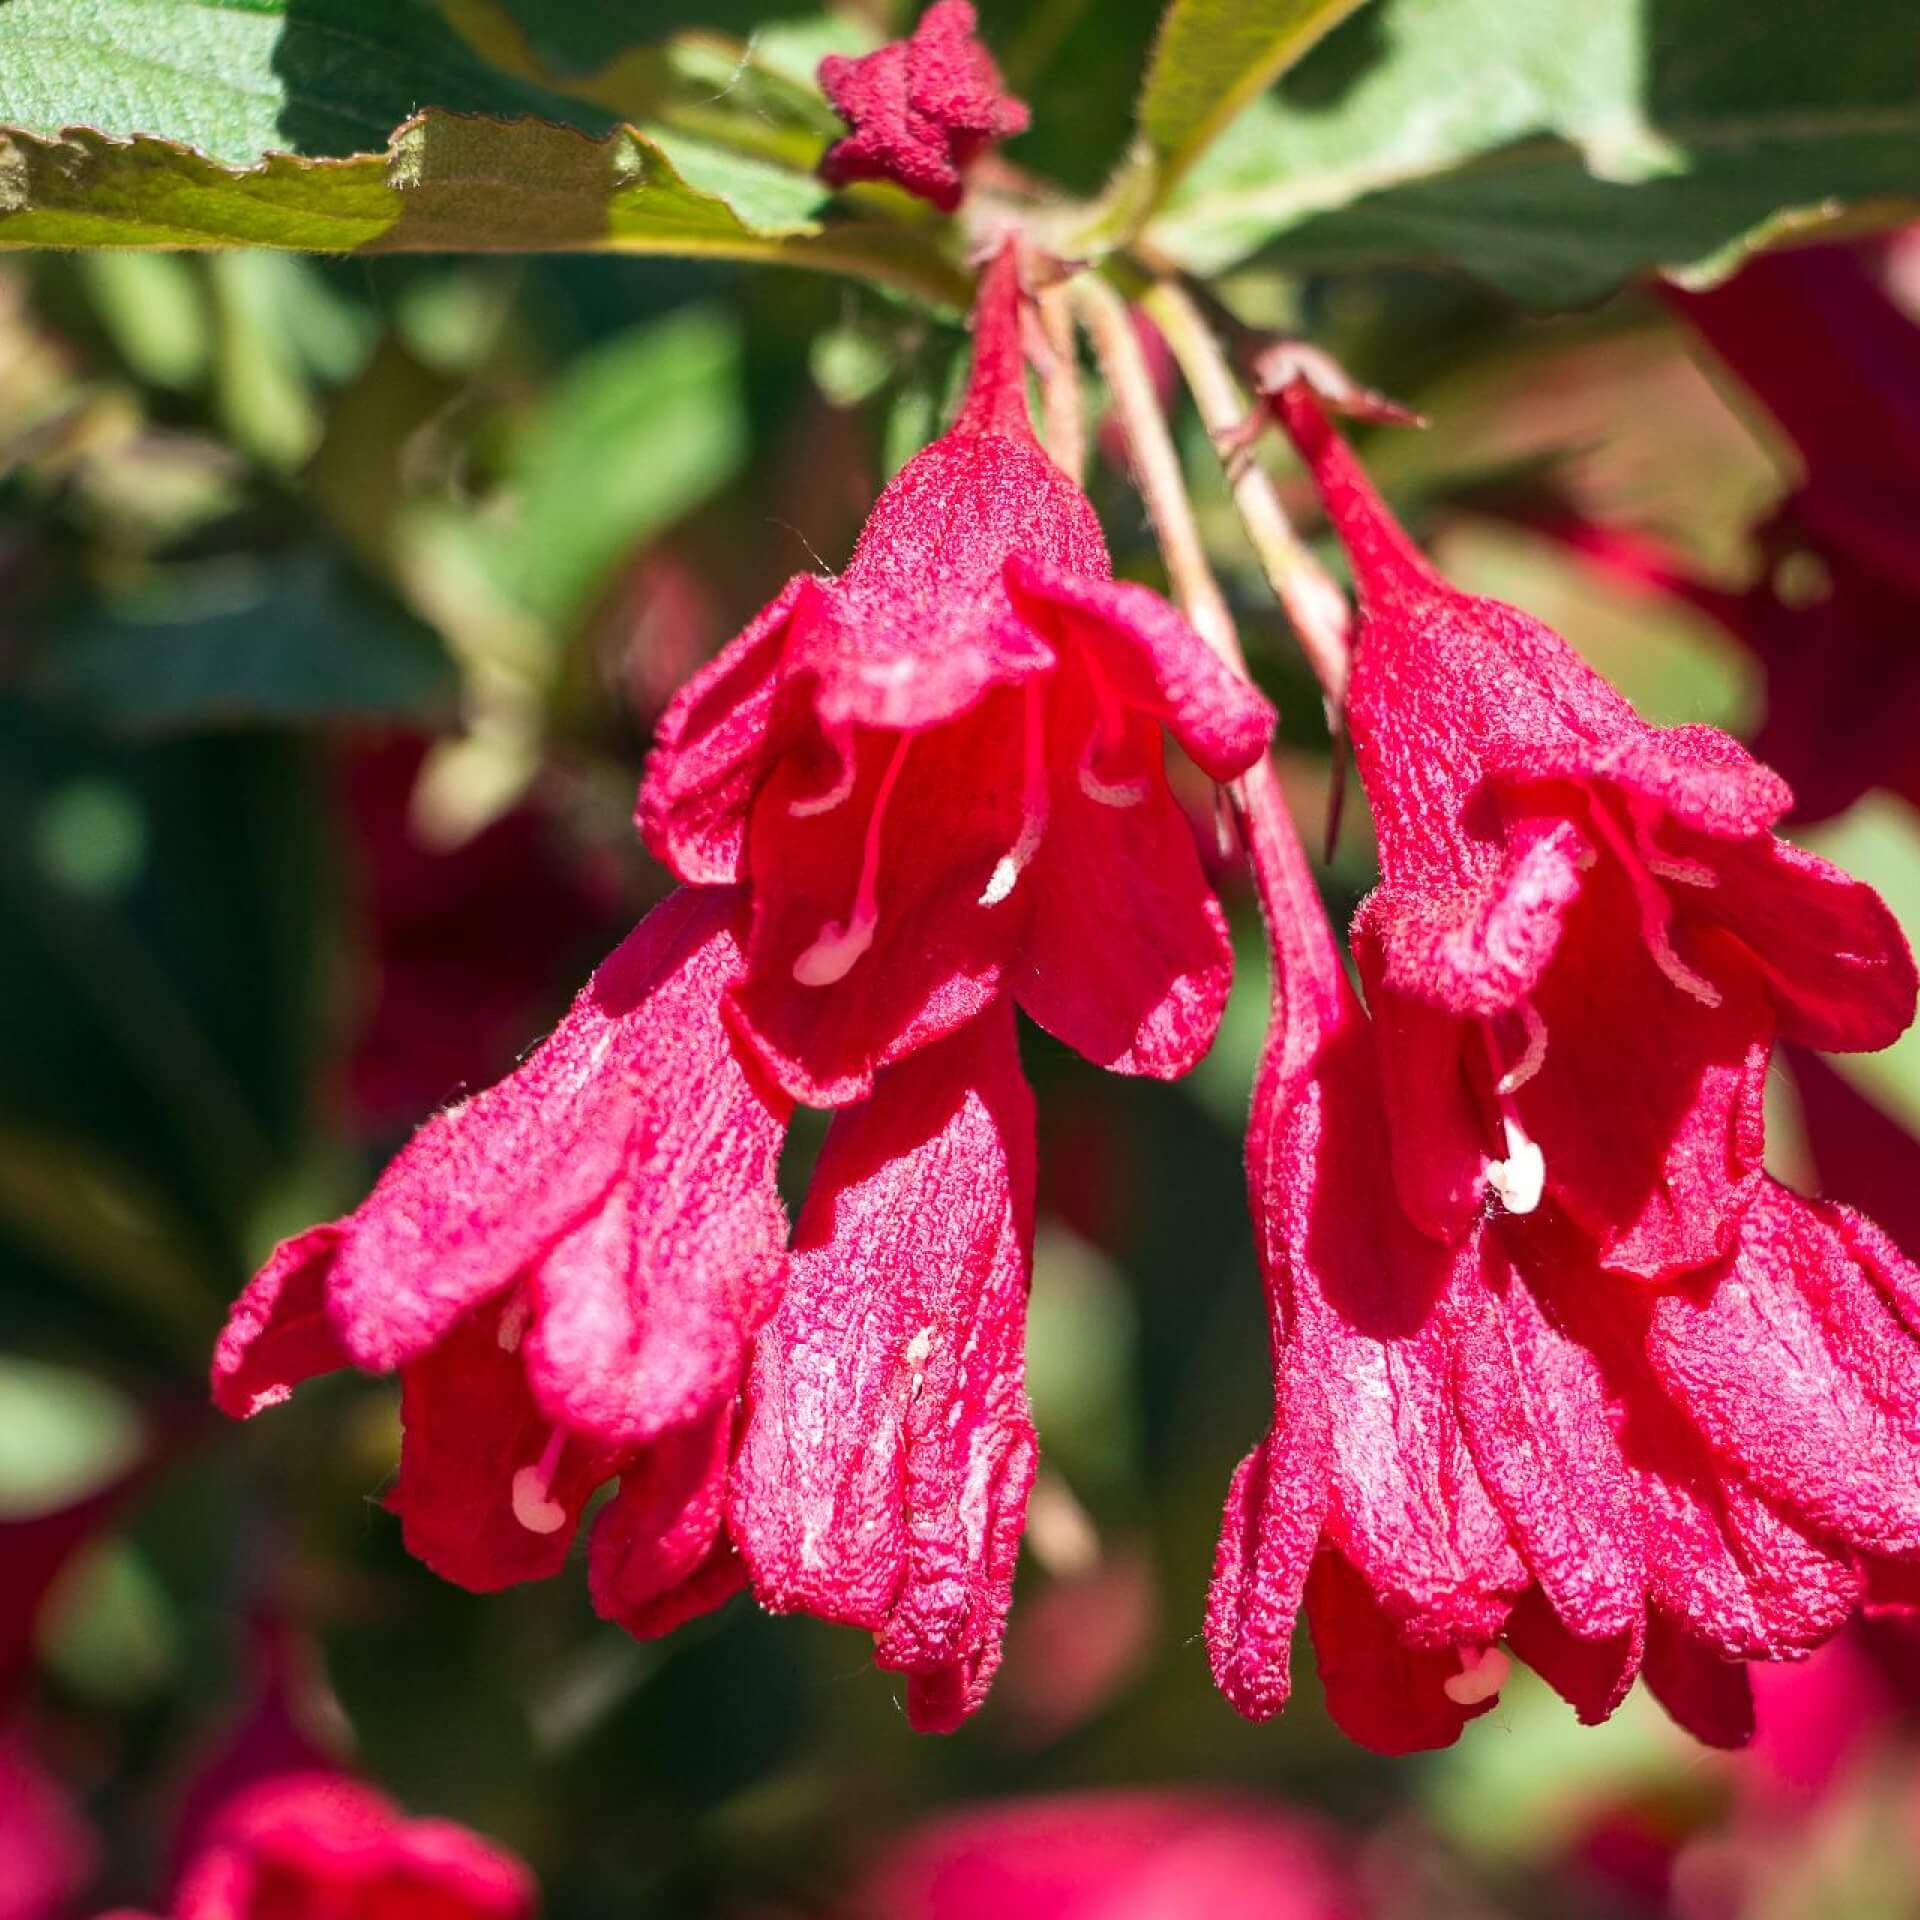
[[337, 598]]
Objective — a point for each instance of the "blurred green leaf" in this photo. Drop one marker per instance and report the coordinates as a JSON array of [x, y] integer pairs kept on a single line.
[[1211, 60], [634, 436], [287, 639], [63, 1436], [1557, 148], [450, 184]]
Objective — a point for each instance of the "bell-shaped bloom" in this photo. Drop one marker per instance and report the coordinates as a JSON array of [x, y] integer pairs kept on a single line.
[[1116, 1856], [1363, 1503], [941, 772], [922, 110], [1816, 340], [1502, 1441], [315, 1846], [1587, 935], [567, 1272], [888, 1449]]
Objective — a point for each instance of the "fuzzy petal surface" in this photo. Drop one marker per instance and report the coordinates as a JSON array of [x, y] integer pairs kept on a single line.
[[661, 1555], [1149, 659], [714, 742], [1126, 955], [949, 807], [1795, 1367], [278, 1332], [888, 1449]]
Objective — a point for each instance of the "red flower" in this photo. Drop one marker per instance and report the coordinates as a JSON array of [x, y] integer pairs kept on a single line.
[[1363, 1502], [1117, 1856], [941, 773], [922, 110], [566, 1272], [1500, 1440], [313, 1846], [1818, 343], [888, 1449], [1586, 937]]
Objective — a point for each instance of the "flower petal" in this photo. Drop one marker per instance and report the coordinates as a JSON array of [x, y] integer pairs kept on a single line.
[[1793, 1366], [278, 1333], [1388, 1696], [1150, 657], [1709, 1697], [1832, 956], [483, 1192], [884, 1467], [1127, 957], [1477, 946], [1268, 1535], [1591, 1676], [932, 957], [643, 1313], [661, 1555], [1647, 1109], [1533, 1403], [469, 1427], [717, 737]]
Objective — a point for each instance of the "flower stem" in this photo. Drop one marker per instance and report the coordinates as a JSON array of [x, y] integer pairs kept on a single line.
[[1156, 466], [1311, 599], [1066, 435], [1289, 903]]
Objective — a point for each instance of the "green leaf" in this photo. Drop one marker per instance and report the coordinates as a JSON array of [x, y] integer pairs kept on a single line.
[[238, 78], [448, 184], [63, 1436], [1211, 59], [240, 641], [1557, 148], [639, 433]]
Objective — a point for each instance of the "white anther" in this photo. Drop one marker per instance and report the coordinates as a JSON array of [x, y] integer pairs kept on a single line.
[[1521, 1178], [1483, 1672]]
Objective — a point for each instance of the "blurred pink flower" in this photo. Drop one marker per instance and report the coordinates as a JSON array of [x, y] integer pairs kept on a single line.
[[46, 1851], [1116, 1856]]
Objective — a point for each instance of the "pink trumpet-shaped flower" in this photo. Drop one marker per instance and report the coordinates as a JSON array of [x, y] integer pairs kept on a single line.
[[888, 1449], [1586, 936], [46, 1851], [1501, 1441], [922, 109], [566, 1271], [941, 772]]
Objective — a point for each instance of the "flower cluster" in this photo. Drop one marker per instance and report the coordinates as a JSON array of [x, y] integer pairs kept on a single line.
[[1596, 1386], [1559, 1366], [904, 801]]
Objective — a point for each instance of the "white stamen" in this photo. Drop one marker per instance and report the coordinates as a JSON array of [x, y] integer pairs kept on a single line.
[[840, 943], [533, 1503], [1033, 805], [1483, 1672], [513, 1323], [835, 952], [1533, 1058], [919, 1347], [1639, 861], [1001, 881], [1121, 793], [1521, 1178], [837, 795]]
